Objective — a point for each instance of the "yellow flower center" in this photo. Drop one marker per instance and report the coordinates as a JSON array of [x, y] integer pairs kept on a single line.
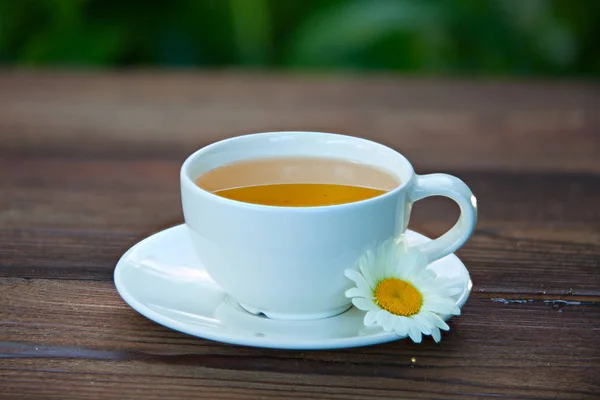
[[398, 297]]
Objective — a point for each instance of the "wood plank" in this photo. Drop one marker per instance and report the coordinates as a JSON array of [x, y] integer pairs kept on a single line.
[[438, 124], [84, 379], [78, 337], [89, 165], [74, 218]]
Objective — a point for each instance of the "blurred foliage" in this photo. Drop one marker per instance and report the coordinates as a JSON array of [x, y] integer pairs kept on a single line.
[[508, 37]]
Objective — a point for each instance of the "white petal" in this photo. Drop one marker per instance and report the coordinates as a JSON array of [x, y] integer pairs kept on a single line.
[[383, 318], [421, 323], [441, 305], [415, 335], [375, 265], [358, 279], [401, 326], [356, 292], [422, 285], [453, 282], [438, 322], [449, 282], [381, 261], [364, 304], [370, 318], [396, 256], [447, 292], [377, 274], [388, 325], [436, 335], [449, 286], [409, 263], [351, 274], [365, 269], [391, 260], [428, 292]]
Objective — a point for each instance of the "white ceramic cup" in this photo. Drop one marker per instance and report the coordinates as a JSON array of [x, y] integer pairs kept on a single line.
[[289, 262]]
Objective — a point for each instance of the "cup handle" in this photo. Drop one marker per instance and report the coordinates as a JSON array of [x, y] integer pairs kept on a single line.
[[455, 189]]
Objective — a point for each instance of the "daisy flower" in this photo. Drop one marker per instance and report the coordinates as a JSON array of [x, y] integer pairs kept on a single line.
[[400, 294]]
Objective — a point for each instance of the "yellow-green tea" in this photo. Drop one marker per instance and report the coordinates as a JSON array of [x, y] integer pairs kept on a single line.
[[297, 182], [300, 194]]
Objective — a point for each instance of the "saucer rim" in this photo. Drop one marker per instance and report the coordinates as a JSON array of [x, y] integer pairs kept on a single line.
[[266, 342]]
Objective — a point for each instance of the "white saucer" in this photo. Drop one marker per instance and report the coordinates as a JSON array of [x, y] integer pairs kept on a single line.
[[162, 279]]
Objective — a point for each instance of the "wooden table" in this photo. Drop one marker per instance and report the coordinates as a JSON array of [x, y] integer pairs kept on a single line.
[[89, 165]]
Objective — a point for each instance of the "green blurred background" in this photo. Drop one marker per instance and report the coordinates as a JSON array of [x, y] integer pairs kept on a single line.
[[450, 37]]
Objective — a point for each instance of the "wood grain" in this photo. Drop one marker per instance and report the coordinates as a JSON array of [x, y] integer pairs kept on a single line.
[[89, 165], [73, 335], [438, 124]]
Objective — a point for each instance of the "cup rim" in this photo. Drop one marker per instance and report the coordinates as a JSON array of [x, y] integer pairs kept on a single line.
[[187, 180]]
